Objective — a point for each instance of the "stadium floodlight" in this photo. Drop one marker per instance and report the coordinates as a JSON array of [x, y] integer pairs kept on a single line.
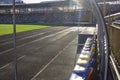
[[14, 38]]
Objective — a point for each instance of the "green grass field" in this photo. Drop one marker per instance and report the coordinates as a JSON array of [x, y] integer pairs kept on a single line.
[[8, 28]]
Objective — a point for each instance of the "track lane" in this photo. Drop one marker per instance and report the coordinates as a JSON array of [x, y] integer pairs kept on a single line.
[[8, 47], [35, 56], [49, 50], [7, 38], [9, 56]]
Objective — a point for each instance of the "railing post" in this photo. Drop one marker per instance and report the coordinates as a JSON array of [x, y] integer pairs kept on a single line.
[[14, 42]]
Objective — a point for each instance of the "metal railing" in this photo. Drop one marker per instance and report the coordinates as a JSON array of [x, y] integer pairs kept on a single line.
[[103, 40]]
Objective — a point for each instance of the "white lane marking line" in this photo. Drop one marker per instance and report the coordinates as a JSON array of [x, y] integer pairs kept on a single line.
[[21, 57], [64, 34], [21, 36], [33, 78], [18, 37], [33, 33], [24, 38], [51, 35], [12, 62], [59, 36], [5, 66], [6, 51], [11, 49]]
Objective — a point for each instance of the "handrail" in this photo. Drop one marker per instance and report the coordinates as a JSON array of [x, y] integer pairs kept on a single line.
[[103, 39], [114, 26], [113, 15], [115, 67]]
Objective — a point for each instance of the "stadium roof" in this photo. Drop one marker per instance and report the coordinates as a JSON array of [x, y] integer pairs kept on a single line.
[[34, 5]]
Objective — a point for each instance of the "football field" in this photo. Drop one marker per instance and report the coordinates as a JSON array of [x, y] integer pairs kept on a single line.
[[8, 28]]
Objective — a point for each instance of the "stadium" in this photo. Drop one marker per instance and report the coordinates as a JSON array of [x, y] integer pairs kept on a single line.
[[47, 12], [60, 40]]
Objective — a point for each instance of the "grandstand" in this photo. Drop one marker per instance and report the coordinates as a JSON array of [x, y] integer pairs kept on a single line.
[[111, 7], [10, 1], [46, 13], [62, 12]]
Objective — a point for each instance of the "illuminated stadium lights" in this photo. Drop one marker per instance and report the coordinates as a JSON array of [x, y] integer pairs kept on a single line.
[[77, 2], [110, 2], [16, 11], [39, 1]]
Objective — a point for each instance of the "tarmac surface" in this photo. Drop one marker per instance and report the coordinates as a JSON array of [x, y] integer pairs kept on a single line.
[[45, 54]]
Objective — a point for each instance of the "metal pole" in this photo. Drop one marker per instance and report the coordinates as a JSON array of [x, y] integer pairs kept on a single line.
[[14, 43], [104, 13], [104, 30]]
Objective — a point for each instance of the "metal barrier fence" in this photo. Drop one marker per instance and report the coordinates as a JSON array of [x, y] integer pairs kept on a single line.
[[114, 32]]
